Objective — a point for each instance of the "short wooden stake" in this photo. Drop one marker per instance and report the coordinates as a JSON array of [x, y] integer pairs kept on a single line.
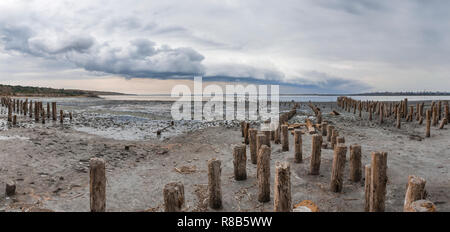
[[415, 191], [97, 185], [282, 189], [173, 197], [10, 188], [214, 184]]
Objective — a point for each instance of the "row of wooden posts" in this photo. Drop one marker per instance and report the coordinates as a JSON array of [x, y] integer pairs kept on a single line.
[[29, 108], [260, 152], [438, 115]]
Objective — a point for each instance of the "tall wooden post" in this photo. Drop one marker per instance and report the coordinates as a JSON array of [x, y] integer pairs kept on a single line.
[[285, 138], [263, 174], [298, 146], [398, 118], [337, 171], [252, 144], [367, 190], [428, 131], [378, 181], [282, 189], [214, 184], [240, 162], [173, 197], [54, 111], [316, 150], [329, 132], [97, 185]]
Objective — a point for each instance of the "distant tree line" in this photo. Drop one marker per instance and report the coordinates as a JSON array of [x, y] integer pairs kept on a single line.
[[18, 90]]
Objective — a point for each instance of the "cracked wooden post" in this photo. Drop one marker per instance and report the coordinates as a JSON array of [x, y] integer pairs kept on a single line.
[[173, 197], [54, 111], [337, 171], [334, 136], [443, 122], [97, 185], [285, 138], [324, 128], [415, 191], [263, 174], [367, 190], [298, 153], [267, 134], [260, 140], [316, 151], [246, 127], [282, 189], [378, 181], [329, 132], [428, 130], [214, 184], [252, 144], [240, 162], [422, 206], [399, 125], [355, 163]]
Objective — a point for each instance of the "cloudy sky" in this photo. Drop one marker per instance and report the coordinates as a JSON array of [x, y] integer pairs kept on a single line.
[[138, 46]]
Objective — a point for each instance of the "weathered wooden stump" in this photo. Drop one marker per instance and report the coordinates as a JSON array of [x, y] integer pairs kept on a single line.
[[298, 153], [10, 188], [240, 162], [214, 184], [399, 118], [334, 136], [173, 197], [337, 171], [252, 144], [54, 111], [428, 130], [267, 134], [61, 116], [378, 181], [282, 189], [422, 206], [324, 128], [415, 191], [14, 121], [329, 132], [340, 140], [97, 184], [285, 138], [316, 150], [260, 140], [263, 174], [355, 163]]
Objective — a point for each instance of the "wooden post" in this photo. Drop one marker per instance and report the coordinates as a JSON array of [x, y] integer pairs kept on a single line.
[[263, 174], [267, 134], [282, 188], [173, 197], [324, 128], [334, 136], [14, 122], [48, 110], [260, 140], [70, 116], [337, 171], [31, 109], [370, 113], [214, 188], [340, 140], [381, 113], [441, 126], [9, 113], [246, 127], [242, 128], [97, 184], [446, 113], [378, 181], [240, 162], [329, 133], [428, 131], [277, 139], [36, 111], [415, 191], [316, 150], [355, 163], [422, 206], [367, 190], [298, 146], [10, 188], [435, 117], [398, 118], [285, 138], [252, 144]]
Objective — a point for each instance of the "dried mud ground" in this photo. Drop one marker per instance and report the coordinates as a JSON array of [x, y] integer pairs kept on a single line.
[[50, 167]]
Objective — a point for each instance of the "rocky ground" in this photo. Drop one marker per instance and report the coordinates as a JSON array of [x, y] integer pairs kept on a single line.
[[50, 166]]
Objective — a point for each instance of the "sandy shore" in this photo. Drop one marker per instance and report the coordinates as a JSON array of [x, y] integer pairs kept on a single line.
[[50, 166]]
